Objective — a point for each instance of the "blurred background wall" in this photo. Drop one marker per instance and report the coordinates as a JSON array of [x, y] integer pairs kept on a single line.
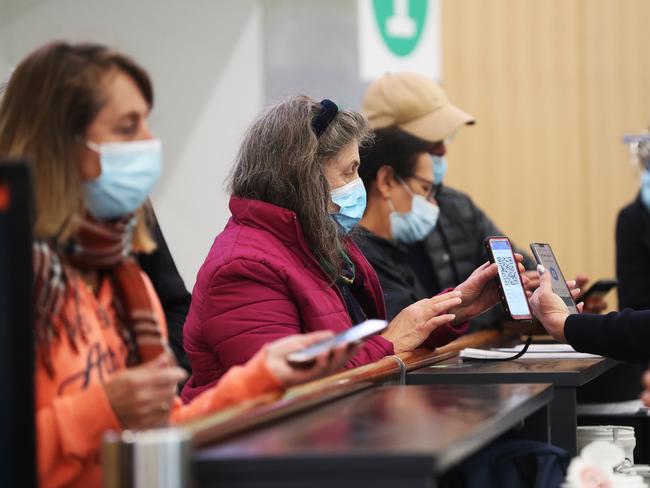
[[553, 85], [205, 59]]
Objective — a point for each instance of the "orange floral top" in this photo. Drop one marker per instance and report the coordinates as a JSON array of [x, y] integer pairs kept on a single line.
[[72, 409]]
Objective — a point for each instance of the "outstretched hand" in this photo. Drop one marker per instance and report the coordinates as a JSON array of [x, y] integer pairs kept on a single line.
[[480, 292], [549, 308]]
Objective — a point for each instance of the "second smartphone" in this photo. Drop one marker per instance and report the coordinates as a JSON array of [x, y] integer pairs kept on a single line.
[[544, 256]]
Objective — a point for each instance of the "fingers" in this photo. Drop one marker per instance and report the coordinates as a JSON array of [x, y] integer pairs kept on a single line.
[[305, 340], [580, 306], [488, 273], [339, 356], [319, 367], [163, 360], [544, 279], [480, 268], [645, 379], [443, 297], [483, 273], [532, 274], [170, 356], [296, 342], [353, 348], [165, 376], [582, 280], [441, 307], [159, 361], [519, 257], [645, 398], [595, 305], [436, 322], [530, 280]]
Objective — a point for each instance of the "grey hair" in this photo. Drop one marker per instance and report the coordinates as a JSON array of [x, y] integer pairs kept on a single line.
[[281, 161]]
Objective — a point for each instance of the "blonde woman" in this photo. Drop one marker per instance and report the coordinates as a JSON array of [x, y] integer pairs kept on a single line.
[[79, 114]]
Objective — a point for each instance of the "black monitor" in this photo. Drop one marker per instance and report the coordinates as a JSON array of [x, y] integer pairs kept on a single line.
[[17, 430]]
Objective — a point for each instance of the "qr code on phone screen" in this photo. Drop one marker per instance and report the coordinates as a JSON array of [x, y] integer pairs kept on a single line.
[[508, 272]]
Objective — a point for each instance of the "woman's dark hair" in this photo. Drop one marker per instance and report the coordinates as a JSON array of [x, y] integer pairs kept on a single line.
[[392, 147]]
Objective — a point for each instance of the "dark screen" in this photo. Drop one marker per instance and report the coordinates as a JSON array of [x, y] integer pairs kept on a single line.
[[17, 431]]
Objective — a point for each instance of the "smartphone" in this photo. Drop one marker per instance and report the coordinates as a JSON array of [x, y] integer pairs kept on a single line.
[[598, 290], [511, 288], [353, 334], [544, 255]]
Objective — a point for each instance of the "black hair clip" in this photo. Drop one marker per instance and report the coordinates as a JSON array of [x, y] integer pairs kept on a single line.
[[323, 118]]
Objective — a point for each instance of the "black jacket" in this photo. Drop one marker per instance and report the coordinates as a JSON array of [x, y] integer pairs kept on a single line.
[[456, 246], [174, 297], [621, 335], [390, 260], [633, 256]]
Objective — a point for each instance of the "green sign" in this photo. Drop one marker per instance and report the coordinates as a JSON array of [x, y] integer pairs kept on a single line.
[[401, 23]]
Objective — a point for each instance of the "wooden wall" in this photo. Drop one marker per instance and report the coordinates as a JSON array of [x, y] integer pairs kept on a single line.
[[553, 85]]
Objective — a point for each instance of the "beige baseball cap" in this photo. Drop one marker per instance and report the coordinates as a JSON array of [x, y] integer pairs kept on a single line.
[[413, 103]]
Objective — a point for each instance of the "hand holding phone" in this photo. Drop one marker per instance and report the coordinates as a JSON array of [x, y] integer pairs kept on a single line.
[[544, 256], [357, 333], [511, 289]]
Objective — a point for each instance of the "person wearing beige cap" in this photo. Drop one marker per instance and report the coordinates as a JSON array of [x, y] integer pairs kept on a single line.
[[432, 240], [413, 120], [414, 104]]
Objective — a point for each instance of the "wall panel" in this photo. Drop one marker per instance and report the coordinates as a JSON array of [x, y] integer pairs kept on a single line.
[[553, 85]]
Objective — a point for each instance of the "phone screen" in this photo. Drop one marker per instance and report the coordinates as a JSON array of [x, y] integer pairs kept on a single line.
[[544, 255], [509, 277]]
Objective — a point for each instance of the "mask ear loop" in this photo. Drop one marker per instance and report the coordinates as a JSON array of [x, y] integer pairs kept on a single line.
[[391, 207], [406, 187], [93, 146]]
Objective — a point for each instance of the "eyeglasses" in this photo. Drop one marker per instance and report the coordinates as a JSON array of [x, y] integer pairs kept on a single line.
[[639, 146], [643, 153], [433, 188]]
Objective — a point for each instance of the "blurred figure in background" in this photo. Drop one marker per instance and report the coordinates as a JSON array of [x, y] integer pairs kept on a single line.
[[633, 241]]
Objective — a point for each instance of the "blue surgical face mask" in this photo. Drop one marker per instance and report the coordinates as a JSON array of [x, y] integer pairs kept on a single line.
[[129, 172], [645, 189], [415, 225], [439, 168], [351, 199]]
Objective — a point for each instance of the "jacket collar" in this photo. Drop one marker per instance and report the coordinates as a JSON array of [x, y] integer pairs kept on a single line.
[[387, 245], [281, 222]]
